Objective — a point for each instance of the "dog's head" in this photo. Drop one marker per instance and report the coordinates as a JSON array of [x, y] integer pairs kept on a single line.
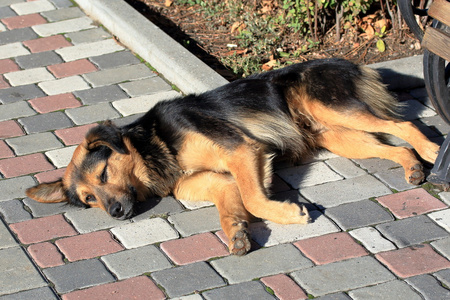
[[105, 172]]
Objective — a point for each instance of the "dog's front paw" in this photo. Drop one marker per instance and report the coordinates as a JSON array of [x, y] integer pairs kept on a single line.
[[415, 175], [240, 243]]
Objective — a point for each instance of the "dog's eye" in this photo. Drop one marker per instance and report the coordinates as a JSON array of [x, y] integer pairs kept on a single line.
[[90, 199]]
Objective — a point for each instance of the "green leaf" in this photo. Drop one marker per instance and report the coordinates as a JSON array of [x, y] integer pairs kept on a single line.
[[381, 46]]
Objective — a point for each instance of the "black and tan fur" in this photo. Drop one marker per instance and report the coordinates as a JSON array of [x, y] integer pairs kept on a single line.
[[218, 146]]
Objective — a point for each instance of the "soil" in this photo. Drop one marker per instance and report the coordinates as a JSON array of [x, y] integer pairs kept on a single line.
[[210, 38]]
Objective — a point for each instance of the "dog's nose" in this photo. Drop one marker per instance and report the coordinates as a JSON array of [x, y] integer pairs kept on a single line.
[[116, 210]]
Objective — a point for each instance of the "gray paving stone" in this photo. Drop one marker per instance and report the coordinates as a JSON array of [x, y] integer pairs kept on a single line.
[[29, 76], [429, 287], [101, 94], [17, 35], [36, 142], [415, 110], [443, 276], [15, 187], [342, 276], [40, 293], [134, 262], [375, 165], [61, 3], [146, 86], [13, 50], [61, 157], [157, 207], [19, 93], [45, 122], [412, 231], [345, 167], [142, 104], [118, 75], [92, 219], [246, 290], [187, 222], [372, 239], [9, 2], [358, 214], [345, 191], [395, 179], [437, 124], [64, 85], [37, 60], [194, 277], [392, 290], [269, 233], [308, 175], [145, 232], [114, 60], [6, 238], [13, 211], [262, 262], [39, 209], [18, 272], [92, 113], [6, 12], [335, 296], [294, 197], [77, 275], [88, 36], [443, 246], [64, 26], [442, 218], [85, 50], [30, 7], [63, 14], [15, 110]]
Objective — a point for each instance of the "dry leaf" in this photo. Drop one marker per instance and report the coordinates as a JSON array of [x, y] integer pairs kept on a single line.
[[168, 3], [269, 65]]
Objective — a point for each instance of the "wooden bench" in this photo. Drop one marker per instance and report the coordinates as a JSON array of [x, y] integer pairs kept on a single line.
[[437, 40]]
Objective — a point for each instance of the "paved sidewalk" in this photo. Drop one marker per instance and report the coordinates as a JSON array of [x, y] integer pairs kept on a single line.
[[373, 236]]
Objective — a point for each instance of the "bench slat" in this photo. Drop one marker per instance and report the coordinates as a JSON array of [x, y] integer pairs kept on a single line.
[[438, 42], [440, 10]]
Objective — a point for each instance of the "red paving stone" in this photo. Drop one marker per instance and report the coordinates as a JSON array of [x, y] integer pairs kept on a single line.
[[52, 103], [8, 65], [3, 83], [411, 203], [413, 261], [47, 43], [74, 135], [17, 166], [9, 129], [72, 68], [23, 21], [46, 255], [50, 176], [140, 287], [195, 248], [42, 229], [330, 248], [88, 245], [5, 151], [284, 287]]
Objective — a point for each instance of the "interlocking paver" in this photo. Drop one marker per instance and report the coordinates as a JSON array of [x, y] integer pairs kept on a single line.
[[195, 277], [358, 214], [61, 157], [442, 218], [415, 110], [46, 255], [3, 83], [429, 287], [10, 129], [411, 203], [88, 245], [8, 65], [284, 287], [308, 175], [18, 272], [345, 191], [6, 12], [48, 209], [73, 135], [23, 21], [443, 276], [376, 165], [37, 60], [64, 26], [13, 211], [22, 165], [92, 113], [15, 187], [6, 238], [5, 151], [118, 75], [54, 103], [335, 296], [395, 179], [246, 290], [401, 234], [330, 248], [78, 275], [47, 43], [15, 110], [32, 7], [11, 50], [43, 229], [144, 232], [45, 122], [142, 104], [392, 290], [157, 208], [195, 248], [372, 239], [443, 247], [187, 222], [88, 36], [89, 49], [39, 293], [133, 288], [414, 260], [50, 176], [32, 143], [63, 14], [64, 85], [11, 38], [146, 86], [135, 262], [101, 94], [342, 276], [19, 93], [114, 60], [92, 219], [283, 258], [269, 233], [76, 67], [345, 167]]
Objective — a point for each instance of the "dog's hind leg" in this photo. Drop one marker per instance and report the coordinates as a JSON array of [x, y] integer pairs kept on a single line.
[[359, 145], [222, 190]]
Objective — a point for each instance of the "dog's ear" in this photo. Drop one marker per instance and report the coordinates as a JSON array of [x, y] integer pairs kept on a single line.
[[52, 192], [106, 134]]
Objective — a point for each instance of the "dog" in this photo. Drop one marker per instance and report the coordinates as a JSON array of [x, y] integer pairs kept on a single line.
[[219, 145]]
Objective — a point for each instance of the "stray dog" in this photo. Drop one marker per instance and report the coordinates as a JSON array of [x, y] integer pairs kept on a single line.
[[219, 145]]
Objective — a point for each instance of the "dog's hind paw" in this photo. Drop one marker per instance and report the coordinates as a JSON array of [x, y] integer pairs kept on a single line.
[[415, 175], [240, 243]]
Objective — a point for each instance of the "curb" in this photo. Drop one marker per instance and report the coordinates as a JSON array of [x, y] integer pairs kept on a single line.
[[188, 72]]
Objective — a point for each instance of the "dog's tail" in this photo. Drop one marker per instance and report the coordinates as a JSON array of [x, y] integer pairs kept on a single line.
[[371, 91]]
